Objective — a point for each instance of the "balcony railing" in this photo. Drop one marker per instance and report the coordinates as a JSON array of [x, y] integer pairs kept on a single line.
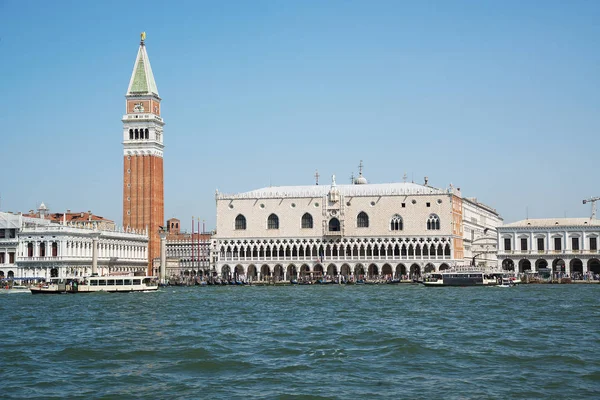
[[548, 252], [331, 258], [72, 258]]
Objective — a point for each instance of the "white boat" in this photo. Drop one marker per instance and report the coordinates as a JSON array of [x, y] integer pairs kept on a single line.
[[116, 284], [92, 284], [53, 286], [459, 278], [14, 289], [506, 283]]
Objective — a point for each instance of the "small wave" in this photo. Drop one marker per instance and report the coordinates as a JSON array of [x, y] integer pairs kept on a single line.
[[82, 353], [593, 376], [210, 366]]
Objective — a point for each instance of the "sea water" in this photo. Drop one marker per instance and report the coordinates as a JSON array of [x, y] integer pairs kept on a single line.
[[304, 342]]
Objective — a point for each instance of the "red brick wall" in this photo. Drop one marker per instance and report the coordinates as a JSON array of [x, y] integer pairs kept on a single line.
[[146, 198]]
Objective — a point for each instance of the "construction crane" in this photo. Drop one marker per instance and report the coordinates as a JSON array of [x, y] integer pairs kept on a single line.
[[592, 200]]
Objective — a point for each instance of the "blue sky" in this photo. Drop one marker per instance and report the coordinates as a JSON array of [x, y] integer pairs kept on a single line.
[[500, 98]]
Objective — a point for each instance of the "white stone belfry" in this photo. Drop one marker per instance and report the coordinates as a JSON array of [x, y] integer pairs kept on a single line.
[[142, 125]]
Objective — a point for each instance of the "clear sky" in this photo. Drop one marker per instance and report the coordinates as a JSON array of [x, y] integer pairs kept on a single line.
[[499, 98]]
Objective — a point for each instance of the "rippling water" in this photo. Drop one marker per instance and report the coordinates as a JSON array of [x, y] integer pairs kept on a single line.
[[305, 342]]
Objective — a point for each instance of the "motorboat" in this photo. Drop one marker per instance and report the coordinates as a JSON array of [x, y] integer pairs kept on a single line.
[[17, 285], [52, 286], [506, 283], [14, 289]]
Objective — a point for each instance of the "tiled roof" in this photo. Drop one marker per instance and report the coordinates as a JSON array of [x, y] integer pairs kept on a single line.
[[547, 222], [142, 80], [70, 217], [400, 188]]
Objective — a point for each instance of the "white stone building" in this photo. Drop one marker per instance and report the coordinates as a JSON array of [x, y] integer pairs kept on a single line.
[[10, 225], [568, 245], [187, 257], [392, 229], [44, 249], [480, 233], [187, 254]]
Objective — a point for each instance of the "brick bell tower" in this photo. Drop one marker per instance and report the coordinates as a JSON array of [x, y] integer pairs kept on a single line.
[[143, 188]]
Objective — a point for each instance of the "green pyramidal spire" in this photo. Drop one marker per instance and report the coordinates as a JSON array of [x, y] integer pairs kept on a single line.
[[142, 80]]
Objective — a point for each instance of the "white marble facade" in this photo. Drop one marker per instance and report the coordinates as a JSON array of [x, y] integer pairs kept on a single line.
[[43, 249], [567, 245], [480, 223], [393, 229]]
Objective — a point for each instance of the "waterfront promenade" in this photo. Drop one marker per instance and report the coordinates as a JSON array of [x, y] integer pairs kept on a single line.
[[524, 278]]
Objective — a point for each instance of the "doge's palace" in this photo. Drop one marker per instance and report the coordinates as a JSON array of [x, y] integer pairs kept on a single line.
[[397, 230]]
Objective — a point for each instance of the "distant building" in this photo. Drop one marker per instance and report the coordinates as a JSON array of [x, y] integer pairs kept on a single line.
[[188, 254], [362, 229], [81, 219], [567, 245], [10, 225], [480, 222], [43, 247]]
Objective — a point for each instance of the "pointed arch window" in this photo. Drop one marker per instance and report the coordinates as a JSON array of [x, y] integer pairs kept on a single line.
[[273, 222], [396, 224], [240, 223], [362, 220], [307, 221], [334, 225], [433, 222]]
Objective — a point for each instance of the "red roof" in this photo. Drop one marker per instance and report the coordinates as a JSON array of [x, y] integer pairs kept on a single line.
[[70, 217]]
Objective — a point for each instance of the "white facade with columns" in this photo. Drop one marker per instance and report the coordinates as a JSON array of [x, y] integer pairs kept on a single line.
[[45, 249], [568, 245], [10, 225], [372, 230]]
